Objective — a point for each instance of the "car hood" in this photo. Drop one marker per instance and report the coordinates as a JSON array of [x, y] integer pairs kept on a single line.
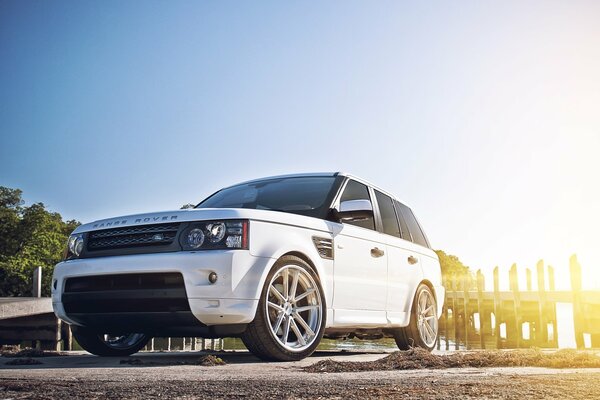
[[204, 214]]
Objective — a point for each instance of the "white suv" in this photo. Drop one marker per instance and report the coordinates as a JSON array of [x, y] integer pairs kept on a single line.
[[280, 262]]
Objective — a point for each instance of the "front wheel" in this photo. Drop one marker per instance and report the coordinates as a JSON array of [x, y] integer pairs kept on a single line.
[[108, 345], [290, 318], [423, 328]]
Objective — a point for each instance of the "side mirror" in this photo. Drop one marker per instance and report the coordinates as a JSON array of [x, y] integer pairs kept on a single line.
[[354, 210]]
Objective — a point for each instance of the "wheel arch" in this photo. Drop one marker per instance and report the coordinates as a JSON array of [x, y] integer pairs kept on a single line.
[[431, 287], [428, 283], [318, 267]]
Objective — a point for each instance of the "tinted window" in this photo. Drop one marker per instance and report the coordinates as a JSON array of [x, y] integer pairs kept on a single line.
[[358, 191], [413, 226], [388, 215], [403, 226], [299, 195]]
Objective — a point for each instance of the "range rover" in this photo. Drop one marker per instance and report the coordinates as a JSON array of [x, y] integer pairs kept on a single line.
[[280, 262]]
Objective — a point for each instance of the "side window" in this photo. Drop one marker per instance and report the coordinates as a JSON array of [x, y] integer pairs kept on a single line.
[[405, 232], [358, 191], [413, 226], [388, 215]]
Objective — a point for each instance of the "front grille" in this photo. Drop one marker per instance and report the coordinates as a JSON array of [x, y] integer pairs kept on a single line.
[[146, 281], [120, 238], [125, 293]]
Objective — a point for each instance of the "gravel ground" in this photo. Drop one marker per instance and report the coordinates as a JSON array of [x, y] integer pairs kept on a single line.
[[175, 375]]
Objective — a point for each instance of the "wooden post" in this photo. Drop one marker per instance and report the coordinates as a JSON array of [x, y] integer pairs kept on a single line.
[[37, 282], [529, 286], [542, 331], [514, 287], [497, 307], [69, 338], [446, 335], [444, 316], [480, 290], [58, 335], [578, 322], [455, 311], [466, 283], [437, 344], [552, 288], [445, 312]]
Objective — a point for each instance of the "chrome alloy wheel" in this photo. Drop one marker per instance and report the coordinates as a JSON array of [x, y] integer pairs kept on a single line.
[[294, 308], [123, 341], [427, 321]]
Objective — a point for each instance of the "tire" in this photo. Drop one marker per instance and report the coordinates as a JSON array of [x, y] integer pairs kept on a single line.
[[107, 345], [423, 328], [290, 319]]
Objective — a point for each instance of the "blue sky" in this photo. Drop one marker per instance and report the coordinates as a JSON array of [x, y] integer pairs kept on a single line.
[[482, 117]]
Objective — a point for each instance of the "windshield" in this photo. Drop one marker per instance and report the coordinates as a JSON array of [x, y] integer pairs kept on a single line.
[[306, 195]]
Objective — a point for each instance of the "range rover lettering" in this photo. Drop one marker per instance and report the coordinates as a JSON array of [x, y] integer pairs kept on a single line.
[[280, 262]]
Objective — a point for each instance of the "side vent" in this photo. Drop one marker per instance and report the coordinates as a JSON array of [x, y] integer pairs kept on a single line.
[[324, 247]]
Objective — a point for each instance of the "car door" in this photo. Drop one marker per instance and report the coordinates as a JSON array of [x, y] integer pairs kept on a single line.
[[360, 268], [404, 271]]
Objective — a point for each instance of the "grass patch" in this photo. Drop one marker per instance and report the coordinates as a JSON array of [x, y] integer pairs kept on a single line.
[[418, 358]]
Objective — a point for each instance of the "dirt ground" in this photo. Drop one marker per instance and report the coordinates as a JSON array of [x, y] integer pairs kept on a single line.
[[187, 375]]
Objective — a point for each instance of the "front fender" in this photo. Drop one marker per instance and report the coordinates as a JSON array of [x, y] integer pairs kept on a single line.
[[274, 240]]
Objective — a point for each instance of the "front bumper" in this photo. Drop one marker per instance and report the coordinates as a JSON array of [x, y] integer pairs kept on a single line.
[[232, 299]]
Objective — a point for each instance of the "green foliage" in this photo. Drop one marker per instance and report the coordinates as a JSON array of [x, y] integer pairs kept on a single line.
[[30, 236], [454, 269]]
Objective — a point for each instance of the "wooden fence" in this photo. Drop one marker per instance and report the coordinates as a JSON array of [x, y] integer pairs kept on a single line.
[[472, 317]]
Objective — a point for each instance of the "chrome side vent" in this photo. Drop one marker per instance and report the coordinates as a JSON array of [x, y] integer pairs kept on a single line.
[[324, 247]]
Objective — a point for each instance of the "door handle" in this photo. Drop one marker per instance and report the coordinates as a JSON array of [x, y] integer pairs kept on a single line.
[[412, 260], [375, 252]]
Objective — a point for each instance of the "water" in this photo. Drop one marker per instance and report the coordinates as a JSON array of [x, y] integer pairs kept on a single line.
[[564, 316], [565, 327]]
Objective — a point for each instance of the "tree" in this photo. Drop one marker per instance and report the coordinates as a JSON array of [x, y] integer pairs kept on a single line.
[[30, 236], [453, 268]]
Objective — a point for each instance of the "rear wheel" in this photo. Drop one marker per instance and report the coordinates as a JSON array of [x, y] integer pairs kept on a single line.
[[103, 344], [290, 318], [423, 328]]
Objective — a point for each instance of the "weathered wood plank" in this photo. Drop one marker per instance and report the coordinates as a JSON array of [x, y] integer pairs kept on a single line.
[[16, 307]]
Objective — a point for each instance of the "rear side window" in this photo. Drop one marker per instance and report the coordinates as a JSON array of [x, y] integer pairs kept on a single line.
[[403, 226], [415, 230], [358, 191], [388, 215]]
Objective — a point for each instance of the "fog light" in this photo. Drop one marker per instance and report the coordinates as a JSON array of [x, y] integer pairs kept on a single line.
[[212, 277]]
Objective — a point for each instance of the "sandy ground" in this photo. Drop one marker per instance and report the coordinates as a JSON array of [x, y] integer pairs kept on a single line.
[[163, 375]]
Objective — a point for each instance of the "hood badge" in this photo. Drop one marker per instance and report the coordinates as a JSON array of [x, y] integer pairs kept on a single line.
[[136, 221]]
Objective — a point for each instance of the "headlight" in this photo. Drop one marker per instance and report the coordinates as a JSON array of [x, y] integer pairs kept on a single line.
[[216, 231], [231, 234], [195, 238], [74, 246]]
